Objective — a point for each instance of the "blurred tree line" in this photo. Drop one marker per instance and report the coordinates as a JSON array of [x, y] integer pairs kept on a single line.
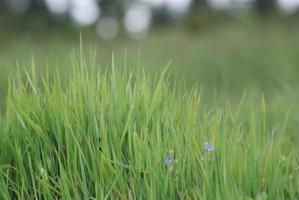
[[263, 7], [200, 13]]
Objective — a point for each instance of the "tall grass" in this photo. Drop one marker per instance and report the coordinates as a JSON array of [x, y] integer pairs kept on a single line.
[[127, 134]]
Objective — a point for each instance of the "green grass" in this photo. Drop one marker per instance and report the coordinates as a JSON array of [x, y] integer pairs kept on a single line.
[[261, 58], [76, 129], [226, 61], [104, 134]]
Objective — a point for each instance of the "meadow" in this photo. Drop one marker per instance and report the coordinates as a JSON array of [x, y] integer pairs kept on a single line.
[[217, 122]]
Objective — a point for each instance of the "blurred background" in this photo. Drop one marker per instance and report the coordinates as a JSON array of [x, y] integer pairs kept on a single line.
[[225, 46]]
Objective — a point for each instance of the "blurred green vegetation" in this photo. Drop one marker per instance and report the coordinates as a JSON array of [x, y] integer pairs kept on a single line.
[[261, 58], [228, 60]]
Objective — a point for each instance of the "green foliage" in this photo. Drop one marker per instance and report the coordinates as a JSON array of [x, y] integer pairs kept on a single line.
[[105, 135]]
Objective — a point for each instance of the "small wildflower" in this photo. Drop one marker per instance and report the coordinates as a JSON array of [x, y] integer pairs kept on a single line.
[[169, 160], [209, 147]]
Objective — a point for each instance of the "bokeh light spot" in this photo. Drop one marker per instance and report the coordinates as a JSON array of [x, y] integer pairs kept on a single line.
[[85, 14], [58, 6], [107, 28], [137, 20]]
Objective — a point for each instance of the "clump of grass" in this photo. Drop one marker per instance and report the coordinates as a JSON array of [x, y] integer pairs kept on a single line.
[[124, 134]]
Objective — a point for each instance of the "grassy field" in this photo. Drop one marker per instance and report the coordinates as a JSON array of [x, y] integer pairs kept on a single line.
[[229, 59], [219, 123], [127, 135]]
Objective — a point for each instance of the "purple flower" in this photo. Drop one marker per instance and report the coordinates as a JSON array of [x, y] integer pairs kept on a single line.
[[169, 160], [209, 147]]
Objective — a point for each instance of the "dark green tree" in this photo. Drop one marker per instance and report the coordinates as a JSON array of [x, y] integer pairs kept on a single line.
[[265, 7]]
